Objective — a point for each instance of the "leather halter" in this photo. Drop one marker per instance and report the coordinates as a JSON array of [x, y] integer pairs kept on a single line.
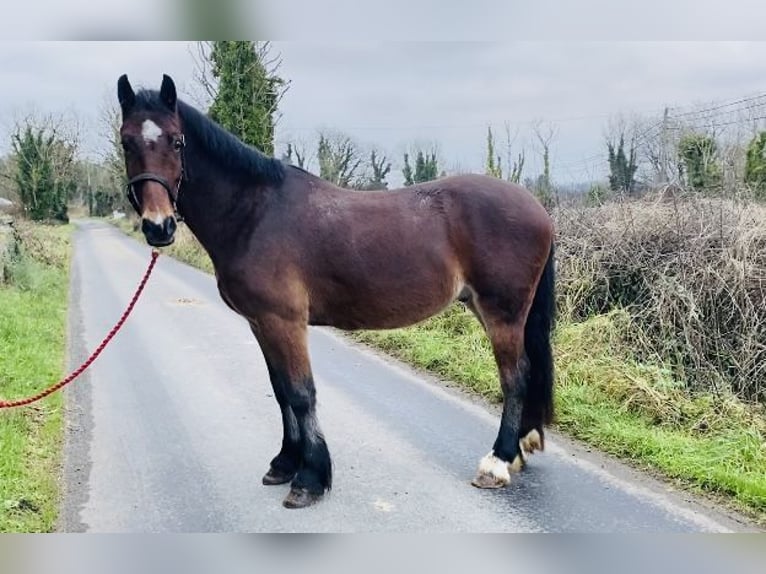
[[147, 176]]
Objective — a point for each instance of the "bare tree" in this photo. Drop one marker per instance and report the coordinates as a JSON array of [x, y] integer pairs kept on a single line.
[[296, 154], [340, 158], [545, 133], [109, 193], [378, 169], [110, 119], [515, 167], [655, 141], [205, 82]]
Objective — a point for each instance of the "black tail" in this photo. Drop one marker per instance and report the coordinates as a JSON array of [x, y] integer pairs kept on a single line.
[[538, 405]]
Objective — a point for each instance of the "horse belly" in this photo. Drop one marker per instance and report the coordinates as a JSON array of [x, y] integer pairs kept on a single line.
[[388, 302]]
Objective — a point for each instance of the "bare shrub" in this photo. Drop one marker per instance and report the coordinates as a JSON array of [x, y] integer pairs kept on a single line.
[[691, 272]]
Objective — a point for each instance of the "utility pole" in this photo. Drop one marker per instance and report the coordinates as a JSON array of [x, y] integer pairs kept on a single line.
[[90, 190], [664, 159]]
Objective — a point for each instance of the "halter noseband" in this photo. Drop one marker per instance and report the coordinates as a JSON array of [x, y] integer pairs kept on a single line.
[[173, 197]]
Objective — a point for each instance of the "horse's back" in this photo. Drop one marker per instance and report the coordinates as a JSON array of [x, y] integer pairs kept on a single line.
[[485, 192], [486, 211], [449, 218]]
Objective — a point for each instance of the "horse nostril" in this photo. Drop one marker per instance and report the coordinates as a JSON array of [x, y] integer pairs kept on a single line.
[[147, 226], [169, 226]]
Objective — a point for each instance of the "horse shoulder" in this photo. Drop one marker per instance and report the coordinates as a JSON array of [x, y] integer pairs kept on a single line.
[[263, 282]]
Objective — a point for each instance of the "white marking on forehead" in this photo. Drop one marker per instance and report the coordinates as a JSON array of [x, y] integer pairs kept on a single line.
[[151, 131]]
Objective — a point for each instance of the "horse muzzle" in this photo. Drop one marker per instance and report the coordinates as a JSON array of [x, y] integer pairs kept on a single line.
[[159, 234]]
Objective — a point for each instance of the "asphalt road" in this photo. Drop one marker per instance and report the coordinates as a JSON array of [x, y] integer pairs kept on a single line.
[[174, 425]]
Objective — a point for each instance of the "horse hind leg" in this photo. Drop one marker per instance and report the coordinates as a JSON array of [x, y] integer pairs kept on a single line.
[[532, 419], [506, 334], [531, 432], [531, 441], [536, 412]]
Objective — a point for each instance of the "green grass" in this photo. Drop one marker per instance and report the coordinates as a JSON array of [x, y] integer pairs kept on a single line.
[[33, 310], [603, 397]]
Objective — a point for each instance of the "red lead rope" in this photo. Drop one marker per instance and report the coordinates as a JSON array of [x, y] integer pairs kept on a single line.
[[96, 353]]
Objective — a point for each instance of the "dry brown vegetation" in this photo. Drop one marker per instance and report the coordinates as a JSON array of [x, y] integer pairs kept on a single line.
[[690, 271]]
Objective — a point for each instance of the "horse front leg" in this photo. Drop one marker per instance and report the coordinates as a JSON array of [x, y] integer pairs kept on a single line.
[[284, 466], [304, 450]]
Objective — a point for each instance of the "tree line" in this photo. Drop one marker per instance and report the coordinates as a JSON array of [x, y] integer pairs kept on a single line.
[[241, 88], [698, 150]]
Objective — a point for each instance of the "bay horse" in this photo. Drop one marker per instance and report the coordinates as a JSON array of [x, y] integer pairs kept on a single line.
[[292, 250]]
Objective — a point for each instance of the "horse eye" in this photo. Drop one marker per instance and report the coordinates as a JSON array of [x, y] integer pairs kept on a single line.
[[178, 144]]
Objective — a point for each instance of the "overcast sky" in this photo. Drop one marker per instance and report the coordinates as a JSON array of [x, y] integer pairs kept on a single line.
[[392, 95]]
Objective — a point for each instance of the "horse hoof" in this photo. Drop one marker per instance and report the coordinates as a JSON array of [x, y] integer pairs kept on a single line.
[[496, 473], [274, 477], [300, 498], [488, 481]]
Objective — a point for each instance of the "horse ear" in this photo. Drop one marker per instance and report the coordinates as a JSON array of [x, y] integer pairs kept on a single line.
[[168, 92], [125, 94]]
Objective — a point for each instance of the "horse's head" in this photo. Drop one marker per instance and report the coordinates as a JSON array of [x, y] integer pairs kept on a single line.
[[153, 141]]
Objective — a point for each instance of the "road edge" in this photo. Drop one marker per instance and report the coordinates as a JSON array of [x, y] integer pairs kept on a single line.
[[78, 419]]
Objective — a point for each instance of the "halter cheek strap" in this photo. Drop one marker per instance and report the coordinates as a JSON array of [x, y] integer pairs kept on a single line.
[[147, 176]]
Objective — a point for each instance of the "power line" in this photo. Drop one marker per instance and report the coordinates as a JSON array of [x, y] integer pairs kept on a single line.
[[715, 119], [718, 107], [582, 161], [723, 125]]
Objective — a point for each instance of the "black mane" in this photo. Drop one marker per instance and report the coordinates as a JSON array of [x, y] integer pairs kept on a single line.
[[227, 149]]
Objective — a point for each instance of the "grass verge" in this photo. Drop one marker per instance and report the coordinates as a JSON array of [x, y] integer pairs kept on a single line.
[[33, 315]]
